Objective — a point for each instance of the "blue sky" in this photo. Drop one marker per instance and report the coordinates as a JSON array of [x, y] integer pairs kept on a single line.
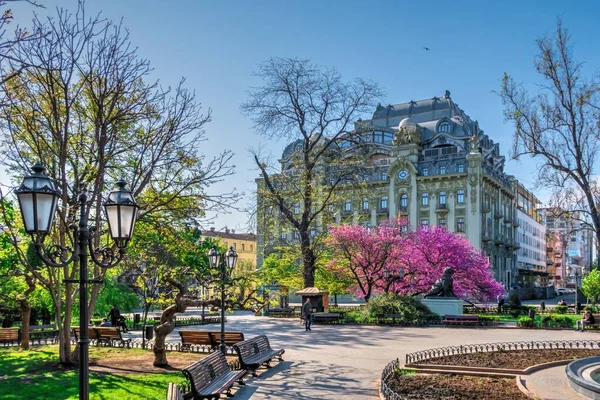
[[217, 45]]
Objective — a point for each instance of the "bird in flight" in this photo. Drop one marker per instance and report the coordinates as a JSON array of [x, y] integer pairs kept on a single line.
[[426, 49]]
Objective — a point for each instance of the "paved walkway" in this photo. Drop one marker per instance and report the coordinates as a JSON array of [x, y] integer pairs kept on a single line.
[[345, 361], [551, 384]]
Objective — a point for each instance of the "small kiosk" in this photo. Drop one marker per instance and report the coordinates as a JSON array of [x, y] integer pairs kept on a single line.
[[319, 299]]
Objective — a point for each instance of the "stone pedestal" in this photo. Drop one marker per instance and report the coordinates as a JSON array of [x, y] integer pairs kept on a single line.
[[444, 305]]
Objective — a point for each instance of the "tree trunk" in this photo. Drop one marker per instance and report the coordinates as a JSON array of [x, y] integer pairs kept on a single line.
[[308, 260], [25, 315], [166, 326]]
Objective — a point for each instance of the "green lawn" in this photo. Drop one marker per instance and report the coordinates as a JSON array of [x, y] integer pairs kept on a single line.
[[33, 374]]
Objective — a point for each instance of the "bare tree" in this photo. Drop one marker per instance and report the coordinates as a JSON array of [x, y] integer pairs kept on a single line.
[[87, 111], [315, 109], [560, 127]]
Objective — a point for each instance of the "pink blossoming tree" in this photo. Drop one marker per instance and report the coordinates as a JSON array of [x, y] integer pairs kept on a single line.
[[384, 258]]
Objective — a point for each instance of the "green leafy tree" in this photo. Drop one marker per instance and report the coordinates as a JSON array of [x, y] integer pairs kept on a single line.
[[590, 285]]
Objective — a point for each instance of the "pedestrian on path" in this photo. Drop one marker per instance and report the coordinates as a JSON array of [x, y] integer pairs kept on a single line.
[[114, 315], [307, 312]]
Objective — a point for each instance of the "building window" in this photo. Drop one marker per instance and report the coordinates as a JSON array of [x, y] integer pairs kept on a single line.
[[366, 203], [243, 247], [404, 228], [442, 170], [234, 245], [331, 208], [296, 235], [425, 171], [425, 199], [461, 168], [444, 127], [296, 208], [442, 222], [348, 205], [384, 200], [251, 247], [404, 200], [283, 235], [460, 196], [424, 223], [460, 224], [442, 197]]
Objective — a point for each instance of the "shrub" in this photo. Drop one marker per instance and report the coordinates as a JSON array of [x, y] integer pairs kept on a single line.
[[411, 309], [525, 322], [514, 301], [357, 317], [515, 313], [556, 321], [593, 309], [561, 309], [486, 320]]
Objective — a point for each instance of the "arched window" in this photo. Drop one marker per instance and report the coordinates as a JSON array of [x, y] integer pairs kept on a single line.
[[404, 200], [444, 127]]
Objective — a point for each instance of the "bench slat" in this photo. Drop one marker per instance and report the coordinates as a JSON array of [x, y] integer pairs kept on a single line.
[[211, 376]]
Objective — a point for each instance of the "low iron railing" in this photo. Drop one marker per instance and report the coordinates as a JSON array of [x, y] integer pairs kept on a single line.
[[384, 390], [424, 355]]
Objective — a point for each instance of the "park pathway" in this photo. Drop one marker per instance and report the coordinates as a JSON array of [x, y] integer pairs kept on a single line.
[[345, 361]]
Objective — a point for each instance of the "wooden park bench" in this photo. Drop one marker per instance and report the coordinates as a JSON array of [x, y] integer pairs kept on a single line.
[[208, 338], [173, 392], [385, 318], [461, 320], [111, 334], [8, 335], [91, 333], [106, 335], [326, 318], [43, 331], [596, 325], [212, 376], [256, 352]]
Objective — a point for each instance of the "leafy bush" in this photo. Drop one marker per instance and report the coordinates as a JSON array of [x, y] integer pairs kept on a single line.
[[525, 322], [357, 317], [515, 313], [514, 301], [556, 321], [486, 320], [561, 309], [593, 309], [411, 309]]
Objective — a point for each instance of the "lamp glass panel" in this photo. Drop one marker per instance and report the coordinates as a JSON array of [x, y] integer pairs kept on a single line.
[[127, 221], [112, 213], [46, 207], [26, 205]]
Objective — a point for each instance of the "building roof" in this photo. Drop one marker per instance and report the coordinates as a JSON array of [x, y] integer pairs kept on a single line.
[[229, 234], [310, 291]]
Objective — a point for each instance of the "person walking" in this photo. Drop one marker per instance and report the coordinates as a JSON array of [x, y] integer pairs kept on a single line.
[[114, 315], [307, 312]]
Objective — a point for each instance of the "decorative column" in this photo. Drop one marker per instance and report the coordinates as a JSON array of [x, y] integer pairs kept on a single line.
[[474, 201]]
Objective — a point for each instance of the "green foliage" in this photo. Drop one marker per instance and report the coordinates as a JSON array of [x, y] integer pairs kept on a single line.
[[525, 322], [556, 321], [411, 308], [590, 285], [44, 381], [282, 267], [515, 313], [115, 293], [561, 309], [488, 320], [593, 309], [357, 317], [514, 301]]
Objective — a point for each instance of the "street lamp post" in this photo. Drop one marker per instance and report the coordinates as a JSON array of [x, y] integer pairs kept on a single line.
[[577, 290], [217, 260], [38, 200]]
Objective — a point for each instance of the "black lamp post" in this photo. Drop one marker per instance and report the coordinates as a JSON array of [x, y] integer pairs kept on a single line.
[[577, 290], [38, 199], [218, 261]]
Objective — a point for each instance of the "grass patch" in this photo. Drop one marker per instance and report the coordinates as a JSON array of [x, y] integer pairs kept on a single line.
[[34, 374]]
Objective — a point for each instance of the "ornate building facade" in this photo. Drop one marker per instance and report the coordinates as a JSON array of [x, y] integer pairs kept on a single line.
[[431, 163]]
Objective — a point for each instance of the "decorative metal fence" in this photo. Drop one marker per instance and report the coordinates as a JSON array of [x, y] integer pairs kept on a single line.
[[424, 355], [384, 390]]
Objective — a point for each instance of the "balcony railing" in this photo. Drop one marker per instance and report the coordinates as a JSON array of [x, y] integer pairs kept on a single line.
[[403, 209], [498, 215], [441, 208]]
